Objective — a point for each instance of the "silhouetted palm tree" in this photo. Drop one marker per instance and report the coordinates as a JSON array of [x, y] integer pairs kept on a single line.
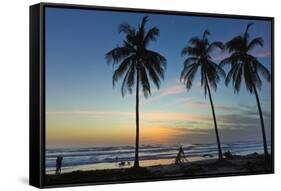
[[137, 64], [198, 51], [245, 66]]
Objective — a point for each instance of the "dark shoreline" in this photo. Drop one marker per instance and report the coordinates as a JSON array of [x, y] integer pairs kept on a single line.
[[252, 163]]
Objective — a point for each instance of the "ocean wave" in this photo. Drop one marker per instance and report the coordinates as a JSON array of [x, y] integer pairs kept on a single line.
[[93, 155]]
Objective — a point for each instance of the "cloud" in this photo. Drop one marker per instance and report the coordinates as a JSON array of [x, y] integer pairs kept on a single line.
[[244, 119], [244, 125], [183, 127], [91, 113], [194, 104], [240, 120], [145, 116], [174, 89], [177, 88], [241, 117]]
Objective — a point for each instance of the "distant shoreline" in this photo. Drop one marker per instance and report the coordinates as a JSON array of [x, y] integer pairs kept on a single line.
[[237, 164]]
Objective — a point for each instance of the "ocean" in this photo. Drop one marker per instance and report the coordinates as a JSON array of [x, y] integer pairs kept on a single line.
[[94, 158]]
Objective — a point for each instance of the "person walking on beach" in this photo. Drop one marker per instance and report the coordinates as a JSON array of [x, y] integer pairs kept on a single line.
[[180, 156], [59, 164]]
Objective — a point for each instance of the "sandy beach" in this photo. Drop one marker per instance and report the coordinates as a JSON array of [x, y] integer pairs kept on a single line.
[[237, 164], [128, 164]]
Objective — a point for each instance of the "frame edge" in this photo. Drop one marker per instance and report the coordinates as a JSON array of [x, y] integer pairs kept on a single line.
[[35, 175], [36, 73]]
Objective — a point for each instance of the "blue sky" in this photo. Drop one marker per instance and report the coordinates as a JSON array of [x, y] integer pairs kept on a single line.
[[80, 96]]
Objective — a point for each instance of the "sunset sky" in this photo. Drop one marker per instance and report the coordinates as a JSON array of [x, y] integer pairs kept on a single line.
[[84, 110]]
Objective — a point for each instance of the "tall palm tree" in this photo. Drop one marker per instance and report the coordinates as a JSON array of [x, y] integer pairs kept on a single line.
[[198, 51], [137, 64], [245, 66]]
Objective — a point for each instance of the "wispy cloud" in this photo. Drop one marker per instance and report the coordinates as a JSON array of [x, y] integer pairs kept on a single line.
[[241, 124], [205, 105], [145, 116], [176, 88], [242, 116], [91, 113], [191, 102]]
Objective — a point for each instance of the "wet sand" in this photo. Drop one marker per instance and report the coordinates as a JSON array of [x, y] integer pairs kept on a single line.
[[103, 166]]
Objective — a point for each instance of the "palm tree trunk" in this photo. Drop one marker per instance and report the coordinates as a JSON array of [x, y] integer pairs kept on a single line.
[[262, 125], [215, 122], [136, 164]]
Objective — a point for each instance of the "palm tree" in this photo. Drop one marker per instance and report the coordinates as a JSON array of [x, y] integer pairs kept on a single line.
[[245, 66], [198, 51], [137, 64]]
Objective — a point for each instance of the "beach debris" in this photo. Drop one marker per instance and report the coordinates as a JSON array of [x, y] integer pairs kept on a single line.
[[124, 163], [180, 159], [121, 164]]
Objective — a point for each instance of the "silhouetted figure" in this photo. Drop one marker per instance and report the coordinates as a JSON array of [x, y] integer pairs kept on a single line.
[[121, 164], [59, 164], [180, 156]]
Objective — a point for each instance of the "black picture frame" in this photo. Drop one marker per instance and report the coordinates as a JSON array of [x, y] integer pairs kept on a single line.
[[37, 90]]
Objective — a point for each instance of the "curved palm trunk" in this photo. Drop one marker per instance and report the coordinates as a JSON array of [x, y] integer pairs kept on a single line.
[[262, 125], [215, 123], [136, 164]]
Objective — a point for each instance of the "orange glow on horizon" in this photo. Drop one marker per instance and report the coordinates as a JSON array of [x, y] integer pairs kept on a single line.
[[94, 128]]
